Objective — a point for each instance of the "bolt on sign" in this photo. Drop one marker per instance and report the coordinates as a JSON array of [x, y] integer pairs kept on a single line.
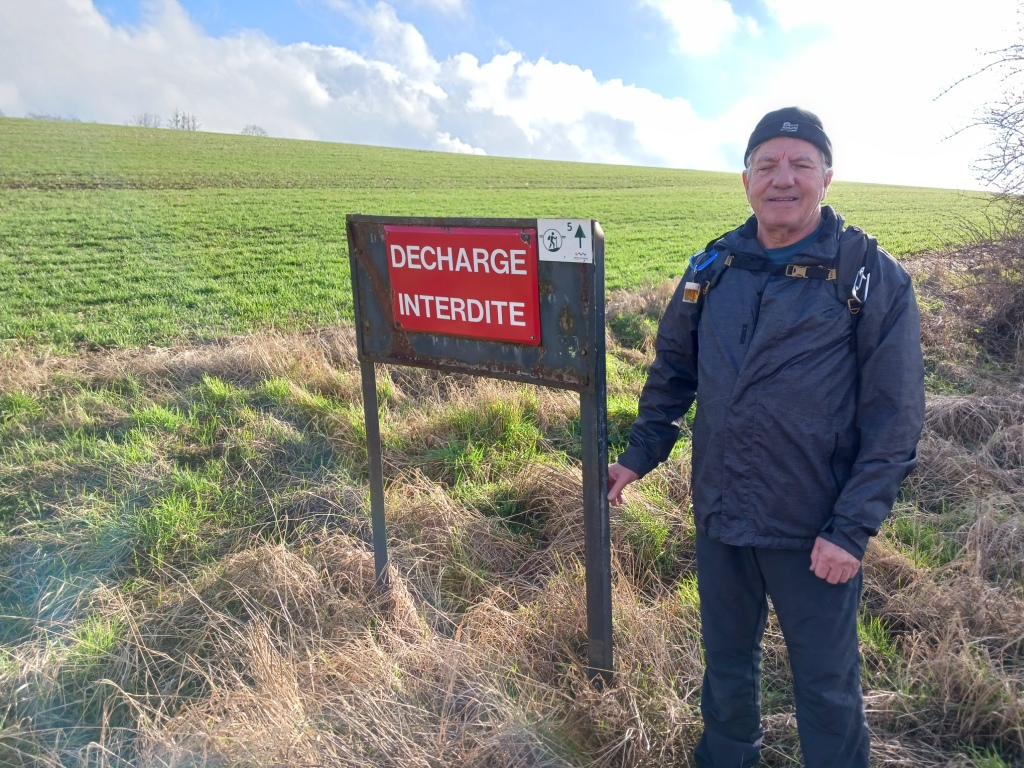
[[516, 299]]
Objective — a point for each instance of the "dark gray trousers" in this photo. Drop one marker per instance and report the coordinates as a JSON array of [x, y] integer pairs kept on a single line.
[[819, 624]]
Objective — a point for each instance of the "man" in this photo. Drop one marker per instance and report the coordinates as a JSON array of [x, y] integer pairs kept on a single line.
[[808, 415]]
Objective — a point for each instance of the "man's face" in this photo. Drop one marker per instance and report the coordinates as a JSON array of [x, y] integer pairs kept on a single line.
[[785, 186]]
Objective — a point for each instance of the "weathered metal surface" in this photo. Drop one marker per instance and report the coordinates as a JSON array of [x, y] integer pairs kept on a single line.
[[571, 356], [373, 450], [596, 523], [565, 357]]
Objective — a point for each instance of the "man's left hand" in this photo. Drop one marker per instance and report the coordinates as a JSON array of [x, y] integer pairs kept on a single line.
[[833, 563]]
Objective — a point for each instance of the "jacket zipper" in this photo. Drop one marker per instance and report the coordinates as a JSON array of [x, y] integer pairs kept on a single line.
[[832, 465], [755, 310]]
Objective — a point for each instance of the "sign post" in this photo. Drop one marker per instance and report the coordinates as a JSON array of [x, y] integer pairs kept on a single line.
[[516, 299]]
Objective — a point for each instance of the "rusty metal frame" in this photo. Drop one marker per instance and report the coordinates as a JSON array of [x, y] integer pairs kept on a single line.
[[571, 356]]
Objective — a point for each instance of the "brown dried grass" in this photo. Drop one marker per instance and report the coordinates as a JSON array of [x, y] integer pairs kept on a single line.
[[994, 540], [971, 448], [980, 285], [972, 420], [958, 635], [648, 300], [324, 360]]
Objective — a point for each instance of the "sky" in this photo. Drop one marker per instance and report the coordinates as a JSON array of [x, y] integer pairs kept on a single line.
[[674, 83]]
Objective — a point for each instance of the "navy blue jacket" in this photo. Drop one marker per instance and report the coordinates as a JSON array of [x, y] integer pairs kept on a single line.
[[801, 430]]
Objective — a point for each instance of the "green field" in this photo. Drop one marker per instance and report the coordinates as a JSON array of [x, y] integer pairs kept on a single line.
[[121, 237]]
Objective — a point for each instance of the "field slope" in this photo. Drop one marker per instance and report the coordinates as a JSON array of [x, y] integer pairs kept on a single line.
[[115, 236]]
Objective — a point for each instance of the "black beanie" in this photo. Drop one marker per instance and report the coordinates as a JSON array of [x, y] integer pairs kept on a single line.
[[791, 121]]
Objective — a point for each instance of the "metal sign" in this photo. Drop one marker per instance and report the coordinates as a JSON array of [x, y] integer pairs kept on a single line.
[[518, 299], [463, 281], [565, 240]]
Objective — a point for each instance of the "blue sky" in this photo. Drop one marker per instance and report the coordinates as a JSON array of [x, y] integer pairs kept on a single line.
[[676, 83]]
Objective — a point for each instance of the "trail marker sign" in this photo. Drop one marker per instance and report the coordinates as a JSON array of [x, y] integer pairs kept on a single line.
[[565, 240], [517, 299]]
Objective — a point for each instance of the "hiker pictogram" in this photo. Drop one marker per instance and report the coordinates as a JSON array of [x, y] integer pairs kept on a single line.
[[552, 240]]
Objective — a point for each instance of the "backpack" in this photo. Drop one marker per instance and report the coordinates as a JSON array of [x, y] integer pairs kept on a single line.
[[849, 270]]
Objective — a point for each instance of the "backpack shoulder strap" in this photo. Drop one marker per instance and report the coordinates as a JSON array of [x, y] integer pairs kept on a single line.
[[705, 270], [857, 258]]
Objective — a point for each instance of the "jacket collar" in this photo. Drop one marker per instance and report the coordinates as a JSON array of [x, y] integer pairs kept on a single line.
[[744, 240]]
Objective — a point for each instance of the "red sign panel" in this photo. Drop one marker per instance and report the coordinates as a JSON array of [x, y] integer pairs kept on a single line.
[[461, 281]]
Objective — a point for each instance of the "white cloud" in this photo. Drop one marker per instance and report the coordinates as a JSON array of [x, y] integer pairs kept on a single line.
[[449, 143], [791, 14], [401, 44], [564, 112], [444, 6], [702, 27]]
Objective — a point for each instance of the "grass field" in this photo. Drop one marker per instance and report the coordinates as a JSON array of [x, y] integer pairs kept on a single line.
[[186, 575], [115, 237]]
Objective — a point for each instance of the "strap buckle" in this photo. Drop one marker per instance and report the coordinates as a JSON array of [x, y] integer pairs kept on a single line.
[[796, 270], [861, 284]]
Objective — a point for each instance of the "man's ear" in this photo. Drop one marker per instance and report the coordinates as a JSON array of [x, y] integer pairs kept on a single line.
[[824, 188]]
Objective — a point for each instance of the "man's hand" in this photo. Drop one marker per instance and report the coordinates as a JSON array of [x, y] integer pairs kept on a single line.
[[618, 478], [833, 563]]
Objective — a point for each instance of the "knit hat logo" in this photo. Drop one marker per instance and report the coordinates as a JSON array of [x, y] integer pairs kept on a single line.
[[790, 127]]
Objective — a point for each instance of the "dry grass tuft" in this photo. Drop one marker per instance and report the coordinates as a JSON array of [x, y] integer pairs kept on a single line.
[[948, 473], [451, 552], [648, 300], [953, 632], [971, 447], [356, 694], [994, 542], [972, 321], [325, 360], [972, 420], [1005, 449]]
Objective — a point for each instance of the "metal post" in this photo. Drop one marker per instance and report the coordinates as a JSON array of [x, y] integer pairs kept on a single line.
[[373, 450], [596, 525], [594, 423]]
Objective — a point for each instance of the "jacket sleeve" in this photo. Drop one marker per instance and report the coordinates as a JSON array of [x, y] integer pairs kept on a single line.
[[670, 388], [890, 407]]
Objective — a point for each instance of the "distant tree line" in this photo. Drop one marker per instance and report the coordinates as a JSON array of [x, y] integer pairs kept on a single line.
[[182, 121], [46, 116], [144, 120], [178, 121]]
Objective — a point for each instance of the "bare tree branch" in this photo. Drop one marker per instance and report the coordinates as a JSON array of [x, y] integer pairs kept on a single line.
[[182, 121], [144, 120]]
